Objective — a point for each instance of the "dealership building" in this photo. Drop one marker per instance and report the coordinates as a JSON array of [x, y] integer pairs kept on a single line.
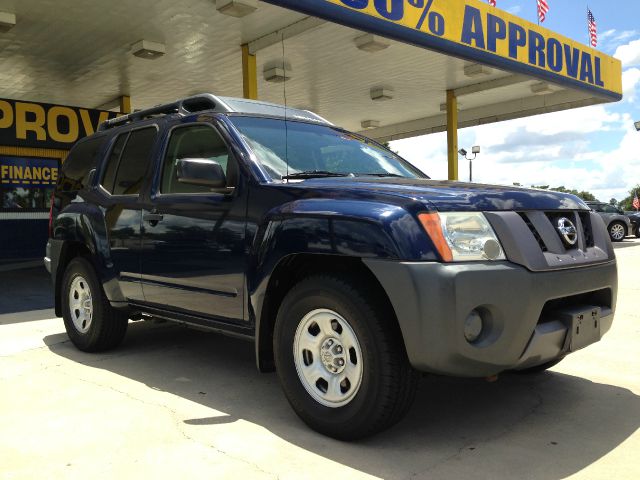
[[389, 69]]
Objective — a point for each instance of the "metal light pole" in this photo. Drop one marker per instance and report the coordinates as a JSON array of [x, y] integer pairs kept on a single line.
[[475, 151]]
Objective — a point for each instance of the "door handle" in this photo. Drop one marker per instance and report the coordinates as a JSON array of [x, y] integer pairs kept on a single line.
[[152, 218]]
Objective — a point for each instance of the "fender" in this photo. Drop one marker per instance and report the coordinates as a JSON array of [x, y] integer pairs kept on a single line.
[[342, 228], [83, 223]]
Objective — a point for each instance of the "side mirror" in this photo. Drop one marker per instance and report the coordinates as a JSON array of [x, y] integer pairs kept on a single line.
[[201, 171]]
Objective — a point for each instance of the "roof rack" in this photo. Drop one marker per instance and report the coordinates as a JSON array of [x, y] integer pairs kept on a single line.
[[196, 103], [209, 102]]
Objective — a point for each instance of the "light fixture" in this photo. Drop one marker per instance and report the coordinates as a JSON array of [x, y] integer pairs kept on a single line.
[[368, 124], [637, 125], [276, 75], [147, 49], [476, 70], [7, 21], [379, 94], [541, 88], [475, 150], [371, 43], [236, 8]]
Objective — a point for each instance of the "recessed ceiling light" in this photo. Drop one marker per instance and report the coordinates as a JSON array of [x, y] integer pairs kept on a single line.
[[371, 43], [236, 8], [475, 70], [541, 88], [368, 124], [148, 50], [276, 75], [381, 94], [7, 21]]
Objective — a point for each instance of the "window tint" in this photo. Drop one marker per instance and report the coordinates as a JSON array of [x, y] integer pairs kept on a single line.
[[81, 160], [112, 163], [134, 162], [610, 209], [197, 141]]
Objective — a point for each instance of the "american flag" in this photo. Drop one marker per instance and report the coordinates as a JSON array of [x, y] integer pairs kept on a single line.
[[543, 8], [636, 202], [593, 28], [492, 3]]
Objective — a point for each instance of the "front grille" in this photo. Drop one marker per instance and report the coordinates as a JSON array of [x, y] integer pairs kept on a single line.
[[585, 219], [533, 230]]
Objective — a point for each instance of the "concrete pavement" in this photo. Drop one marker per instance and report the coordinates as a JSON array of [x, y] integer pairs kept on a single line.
[[178, 403]]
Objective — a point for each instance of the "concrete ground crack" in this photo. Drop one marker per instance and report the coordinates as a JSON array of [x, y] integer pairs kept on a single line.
[[177, 420]]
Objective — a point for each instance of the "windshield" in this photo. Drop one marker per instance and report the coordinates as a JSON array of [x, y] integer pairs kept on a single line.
[[317, 150]]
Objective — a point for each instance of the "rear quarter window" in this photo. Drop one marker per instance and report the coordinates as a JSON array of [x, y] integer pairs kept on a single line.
[[79, 163]]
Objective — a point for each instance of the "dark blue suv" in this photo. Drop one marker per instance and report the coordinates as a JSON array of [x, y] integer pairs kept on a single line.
[[347, 267]]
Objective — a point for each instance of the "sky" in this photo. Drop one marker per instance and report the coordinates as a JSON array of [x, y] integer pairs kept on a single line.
[[596, 148]]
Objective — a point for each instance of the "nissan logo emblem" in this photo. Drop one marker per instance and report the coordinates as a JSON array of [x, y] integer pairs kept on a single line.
[[567, 231]]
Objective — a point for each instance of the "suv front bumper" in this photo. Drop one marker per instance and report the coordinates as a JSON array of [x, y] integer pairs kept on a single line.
[[432, 301]]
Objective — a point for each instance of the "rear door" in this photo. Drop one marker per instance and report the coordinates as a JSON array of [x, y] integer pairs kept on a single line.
[[121, 183], [194, 255]]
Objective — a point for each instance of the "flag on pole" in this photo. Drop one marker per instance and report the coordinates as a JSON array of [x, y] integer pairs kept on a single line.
[[593, 28], [543, 8], [636, 202], [492, 3]]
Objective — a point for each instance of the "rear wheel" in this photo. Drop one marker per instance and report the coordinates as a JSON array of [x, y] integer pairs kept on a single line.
[[90, 321], [341, 360], [617, 231]]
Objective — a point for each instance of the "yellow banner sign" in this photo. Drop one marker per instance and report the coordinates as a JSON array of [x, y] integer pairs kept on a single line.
[[474, 30]]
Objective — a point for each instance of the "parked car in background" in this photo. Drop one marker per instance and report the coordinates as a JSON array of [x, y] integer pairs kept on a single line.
[[634, 217], [618, 224]]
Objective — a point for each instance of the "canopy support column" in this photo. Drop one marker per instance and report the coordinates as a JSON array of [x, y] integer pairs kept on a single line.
[[249, 74], [125, 104], [452, 134]]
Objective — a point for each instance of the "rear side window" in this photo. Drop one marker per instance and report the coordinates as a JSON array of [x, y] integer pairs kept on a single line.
[[81, 160], [128, 162]]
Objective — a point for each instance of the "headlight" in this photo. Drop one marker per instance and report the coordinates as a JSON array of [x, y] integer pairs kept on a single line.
[[462, 236]]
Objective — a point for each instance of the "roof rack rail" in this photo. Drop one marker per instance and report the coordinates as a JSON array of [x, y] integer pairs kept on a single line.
[[196, 103]]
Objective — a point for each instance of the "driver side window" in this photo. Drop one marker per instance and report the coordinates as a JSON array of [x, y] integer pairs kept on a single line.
[[195, 141]]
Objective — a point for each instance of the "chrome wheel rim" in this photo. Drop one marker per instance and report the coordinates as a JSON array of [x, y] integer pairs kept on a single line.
[[328, 358], [80, 304], [617, 231]]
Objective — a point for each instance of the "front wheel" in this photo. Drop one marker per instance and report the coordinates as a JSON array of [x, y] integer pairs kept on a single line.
[[90, 321], [638, 231], [617, 231], [340, 358]]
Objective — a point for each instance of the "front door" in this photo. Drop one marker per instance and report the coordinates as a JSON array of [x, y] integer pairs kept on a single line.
[[194, 252]]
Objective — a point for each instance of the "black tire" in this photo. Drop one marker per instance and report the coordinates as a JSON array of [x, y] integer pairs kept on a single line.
[[614, 227], [637, 231], [107, 326], [539, 368], [388, 382]]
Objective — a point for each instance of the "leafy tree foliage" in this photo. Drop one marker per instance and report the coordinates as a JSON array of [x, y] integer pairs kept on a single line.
[[583, 194]]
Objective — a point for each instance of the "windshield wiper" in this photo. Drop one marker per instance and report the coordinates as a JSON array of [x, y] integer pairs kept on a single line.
[[315, 174], [386, 174]]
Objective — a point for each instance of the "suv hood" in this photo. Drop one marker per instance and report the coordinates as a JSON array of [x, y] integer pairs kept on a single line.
[[451, 196]]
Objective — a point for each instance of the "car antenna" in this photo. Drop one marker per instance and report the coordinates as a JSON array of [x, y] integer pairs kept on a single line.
[[284, 93]]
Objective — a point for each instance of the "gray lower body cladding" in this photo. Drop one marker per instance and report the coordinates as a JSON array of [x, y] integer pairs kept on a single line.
[[526, 315]]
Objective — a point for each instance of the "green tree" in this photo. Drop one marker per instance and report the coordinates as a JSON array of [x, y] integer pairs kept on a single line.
[[627, 202], [583, 194]]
